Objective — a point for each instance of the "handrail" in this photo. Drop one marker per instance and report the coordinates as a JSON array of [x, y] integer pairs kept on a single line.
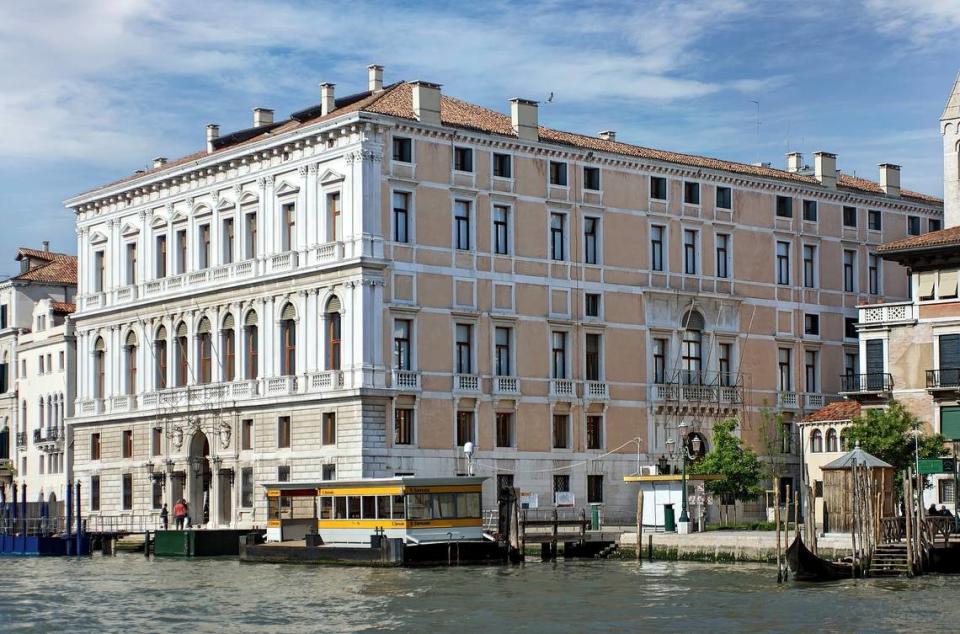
[[943, 378], [869, 382]]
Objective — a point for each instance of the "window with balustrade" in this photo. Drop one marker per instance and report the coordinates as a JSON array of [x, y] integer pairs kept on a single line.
[[160, 358], [288, 219], [464, 348], [810, 370], [334, 218], [502, 344], [160, 262], [784, 370], [130, 363], [401, 344], [227, 247], [228, 346], [203, 246], [403, 426], [558, 355], [593, 356], [250, 233], [288, 340], [131, 263], [333, 327], [659, 361], [99, 368], [251, 346], [182, 353], [205, 351]]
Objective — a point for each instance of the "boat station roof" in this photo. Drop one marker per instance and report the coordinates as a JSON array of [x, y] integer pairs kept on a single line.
[[858, 456], [401, 481], [674, 477]]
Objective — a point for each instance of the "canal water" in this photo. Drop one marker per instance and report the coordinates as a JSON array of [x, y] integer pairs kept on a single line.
[[129, 593]]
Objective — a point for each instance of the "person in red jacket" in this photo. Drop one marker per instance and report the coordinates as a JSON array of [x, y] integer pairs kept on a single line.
[[179, 513]]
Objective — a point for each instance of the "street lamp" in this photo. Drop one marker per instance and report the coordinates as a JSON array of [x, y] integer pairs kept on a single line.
[[686, 454]]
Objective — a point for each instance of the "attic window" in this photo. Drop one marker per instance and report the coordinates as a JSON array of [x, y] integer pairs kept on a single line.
[[24, 265]]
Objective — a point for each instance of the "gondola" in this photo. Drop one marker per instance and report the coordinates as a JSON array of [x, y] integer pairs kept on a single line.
[[806, 566]]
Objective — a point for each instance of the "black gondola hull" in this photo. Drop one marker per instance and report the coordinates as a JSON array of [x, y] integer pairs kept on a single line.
[[806, 566]]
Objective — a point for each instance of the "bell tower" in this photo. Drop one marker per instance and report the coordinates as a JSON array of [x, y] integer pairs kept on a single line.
[[950, 129]]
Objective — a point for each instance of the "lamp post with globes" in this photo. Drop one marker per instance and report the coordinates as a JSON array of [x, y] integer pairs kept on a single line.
[[686, 454]]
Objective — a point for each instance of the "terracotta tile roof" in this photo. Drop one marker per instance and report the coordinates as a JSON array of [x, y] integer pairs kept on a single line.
[[943, 238], [397, 100], [59, 268], [63, 307], [838, 410]]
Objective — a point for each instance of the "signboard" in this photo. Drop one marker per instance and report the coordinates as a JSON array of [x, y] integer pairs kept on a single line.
[[929, 466], [565, 498], [528, 500]]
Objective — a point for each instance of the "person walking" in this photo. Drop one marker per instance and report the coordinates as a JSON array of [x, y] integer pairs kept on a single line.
[[164, 517], [186, 514], [179, 513]]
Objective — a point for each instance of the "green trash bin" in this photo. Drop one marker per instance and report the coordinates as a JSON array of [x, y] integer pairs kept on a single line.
[[594, 517], [669, 520]]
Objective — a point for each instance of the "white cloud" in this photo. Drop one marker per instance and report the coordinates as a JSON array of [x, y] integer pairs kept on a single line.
[[922, 22]]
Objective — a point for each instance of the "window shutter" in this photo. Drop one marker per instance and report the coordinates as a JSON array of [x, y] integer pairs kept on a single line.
[[875, 356], [948, 284], [333, 306], [204, 327], [289, 313], [949, 351], [250, 319], [228, 323], [950, 422], [927, 281]]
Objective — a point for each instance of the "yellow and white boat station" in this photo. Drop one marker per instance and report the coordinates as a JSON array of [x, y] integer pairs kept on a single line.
[[349, 512]]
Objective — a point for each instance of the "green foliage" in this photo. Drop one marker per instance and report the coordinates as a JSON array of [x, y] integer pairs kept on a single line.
[[885, 433], [741, 468]]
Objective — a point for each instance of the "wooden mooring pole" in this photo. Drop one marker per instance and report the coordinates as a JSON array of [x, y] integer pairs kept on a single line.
[[776, 520], [639, 522]]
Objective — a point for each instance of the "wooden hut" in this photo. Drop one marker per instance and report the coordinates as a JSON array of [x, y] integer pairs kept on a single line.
[[838, 488]]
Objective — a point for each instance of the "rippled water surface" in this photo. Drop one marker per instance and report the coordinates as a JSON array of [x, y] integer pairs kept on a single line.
[[130, 593]]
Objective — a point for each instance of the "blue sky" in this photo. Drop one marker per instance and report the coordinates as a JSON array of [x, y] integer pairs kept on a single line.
[[94, 90]]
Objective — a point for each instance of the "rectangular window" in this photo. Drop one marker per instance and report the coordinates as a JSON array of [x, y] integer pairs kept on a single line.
[[401, 217], [809, 266], [690, 251], [850, 328], [913, 225], [504, 422], [811, 324], [94, 492], [246, 439], [127, 443], [95, 446], [946, 492], [131, 263], [785, 372], [873, 273], [659, 361], [402, 149], [464, 428], [849, 270], [463, 159], [592, 357], [228, 239], [851, 363], [60, 362], [127, 492], [203, 246], [401, 344], [329, 472], [181, 238], [591, 178], [594, 432], [810, 370], [561, 433], [784, 207], [502, 336], [403, 426], [558, 365], [783, 262], [874, 220], [250, 235], [724, 198], [691, 193], [334, 217], [726, 364], [592, 304], [99, 279], [590, 251], [329, 431], [849, 216], [933, 224], [810, 210], [156, 494], [558, 173], [656, 248], [658, 188], [283, 473], [246, 487], [502, 165], [156, 443], [723, 255], [288, 214], [557, 237], [594, 489], [561, 484], [874, 362], [464, 349], [283, 432], [461, 219], [501, 230]]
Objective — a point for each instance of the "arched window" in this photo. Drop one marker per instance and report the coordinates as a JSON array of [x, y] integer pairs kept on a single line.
[[844, 440], [182, 355], [228, 343], [205, 351], [288, 340], [692, 330], [816, 441], [130, 362], [160, 358], [832, 440], [251, 345], [99, 368], [333, 333]]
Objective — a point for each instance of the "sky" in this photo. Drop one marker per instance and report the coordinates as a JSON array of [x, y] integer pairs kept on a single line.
[[94, 90]]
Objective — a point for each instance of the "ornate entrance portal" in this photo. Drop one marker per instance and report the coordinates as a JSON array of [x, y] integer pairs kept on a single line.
[[201, 477]]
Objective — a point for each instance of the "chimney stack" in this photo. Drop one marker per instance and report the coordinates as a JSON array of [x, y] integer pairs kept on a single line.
[[794, 162], [328, 102], [374, 77], [426, 102], [608, 135], [160, 161], [890, 179], [46, 245], [262, 116], [213, 133], [825, 169], [523, 115]]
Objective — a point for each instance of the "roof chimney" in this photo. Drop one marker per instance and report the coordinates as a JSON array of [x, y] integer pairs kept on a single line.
[[794, 162], [608, 135], [262, 116], [426, 102], [523, 115], [327, 101], [890, 179], [374, 77], [46, 245], [213, 133], [825, 169], [160, 161]]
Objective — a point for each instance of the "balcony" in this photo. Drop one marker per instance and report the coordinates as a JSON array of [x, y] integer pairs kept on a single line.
[[406, 381], [280, 386], [286, 261], [702, 388], [563, 388], [21, 439], [806, 401], [506, 385], [595, 391], [466, 383], [51, 441], [944, 382], [884, 314], [326, 381], [873, 385]]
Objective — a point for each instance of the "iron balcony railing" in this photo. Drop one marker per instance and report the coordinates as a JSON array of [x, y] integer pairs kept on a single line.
[[869, 383], [943, 378], [21, 439]]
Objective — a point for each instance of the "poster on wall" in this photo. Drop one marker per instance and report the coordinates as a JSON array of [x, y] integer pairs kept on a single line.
[[565, 499], [528, 500]]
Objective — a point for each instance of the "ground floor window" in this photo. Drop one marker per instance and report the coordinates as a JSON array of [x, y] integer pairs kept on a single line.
[[329, 472], [246, 487], [946, 490], [94, 493], [464, 428], [594, 432], [127, 491], [561, 435], [157, 496], [561, 483], [403, 427], [504, 429], [594, 489]]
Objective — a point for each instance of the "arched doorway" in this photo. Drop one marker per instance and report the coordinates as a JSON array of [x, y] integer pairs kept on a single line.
[[199, 479]]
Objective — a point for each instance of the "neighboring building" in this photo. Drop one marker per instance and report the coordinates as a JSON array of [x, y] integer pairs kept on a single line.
[[823, 439], [360, 289], [36, 393], [910, 350]]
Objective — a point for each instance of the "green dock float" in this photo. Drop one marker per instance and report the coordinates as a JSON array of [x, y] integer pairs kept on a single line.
[[198, 543]]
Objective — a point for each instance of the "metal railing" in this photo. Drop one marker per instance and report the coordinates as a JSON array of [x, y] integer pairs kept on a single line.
[[943, 378], [138, 523], [882, 313], [869, 383]]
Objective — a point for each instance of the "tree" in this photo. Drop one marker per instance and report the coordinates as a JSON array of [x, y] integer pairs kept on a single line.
[[886, 433], [740, 468]]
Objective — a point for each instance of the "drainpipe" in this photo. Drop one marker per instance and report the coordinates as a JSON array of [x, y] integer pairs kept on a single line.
[[79, 524]]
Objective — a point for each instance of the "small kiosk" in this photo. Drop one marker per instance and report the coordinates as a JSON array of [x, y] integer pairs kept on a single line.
[[663, 499]]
